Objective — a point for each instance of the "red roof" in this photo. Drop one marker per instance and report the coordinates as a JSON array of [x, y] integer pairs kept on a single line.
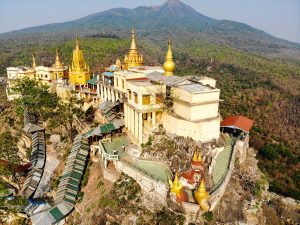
[[240, 122]]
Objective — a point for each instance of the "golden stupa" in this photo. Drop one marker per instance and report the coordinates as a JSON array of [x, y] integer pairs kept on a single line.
[[176, 186], [133, 58], [57, 64], [33, 61], [201, 196], [79, 72], [118, 63], [169, 65]]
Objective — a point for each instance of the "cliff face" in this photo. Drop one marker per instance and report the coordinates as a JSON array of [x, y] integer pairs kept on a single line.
[[247, 199]]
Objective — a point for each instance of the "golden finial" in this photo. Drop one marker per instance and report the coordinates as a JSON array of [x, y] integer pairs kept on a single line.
[[176, 185], [33, 60], [169, 65], [77, 42], [133, 44]]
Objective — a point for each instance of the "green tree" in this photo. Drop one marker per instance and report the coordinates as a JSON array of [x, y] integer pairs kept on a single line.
[[67, 112], [9, 157], [35, 97]]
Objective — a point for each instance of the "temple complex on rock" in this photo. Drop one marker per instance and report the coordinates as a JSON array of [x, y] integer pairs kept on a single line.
[[138, 100]]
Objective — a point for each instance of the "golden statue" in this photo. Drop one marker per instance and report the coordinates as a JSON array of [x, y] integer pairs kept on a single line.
[[133, 58], [169, 65]]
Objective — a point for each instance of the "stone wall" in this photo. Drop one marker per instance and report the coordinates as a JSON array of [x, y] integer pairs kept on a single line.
[[155, 191]]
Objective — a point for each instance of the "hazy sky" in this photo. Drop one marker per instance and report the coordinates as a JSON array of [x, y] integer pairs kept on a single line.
[[280, 18]]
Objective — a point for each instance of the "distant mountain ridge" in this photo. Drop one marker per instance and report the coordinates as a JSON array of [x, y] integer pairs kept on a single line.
[[155, 22]]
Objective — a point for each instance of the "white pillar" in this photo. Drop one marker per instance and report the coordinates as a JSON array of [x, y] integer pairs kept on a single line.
[[125, 115], [136, 125], [101, 93], [129, 117], [140, 128], [105, 163], [132, 121], [113, 95]]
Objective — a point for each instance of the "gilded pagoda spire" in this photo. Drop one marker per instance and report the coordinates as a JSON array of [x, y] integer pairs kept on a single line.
[[57, 63], [79, 70], [133, 58], [118, 63], [169, 65], [77, 43], [33, 60], [133, 44], [176, 185], [201, 196]]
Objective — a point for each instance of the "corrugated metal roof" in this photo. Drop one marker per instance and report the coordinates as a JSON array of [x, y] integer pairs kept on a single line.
[[92, 81], [167, 80], [56, 213]]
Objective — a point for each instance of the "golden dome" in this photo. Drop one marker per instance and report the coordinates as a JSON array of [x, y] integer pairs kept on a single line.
[[176, 185], [169, 65]]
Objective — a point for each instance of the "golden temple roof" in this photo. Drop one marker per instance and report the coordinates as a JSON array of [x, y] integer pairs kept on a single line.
[[133, 58], [169, 65]]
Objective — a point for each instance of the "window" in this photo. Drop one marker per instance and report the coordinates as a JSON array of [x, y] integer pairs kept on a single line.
[[129, 94], [123, 85], [46, 75], [159, 98], [117, 82], [136, 100], [146, 99]]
